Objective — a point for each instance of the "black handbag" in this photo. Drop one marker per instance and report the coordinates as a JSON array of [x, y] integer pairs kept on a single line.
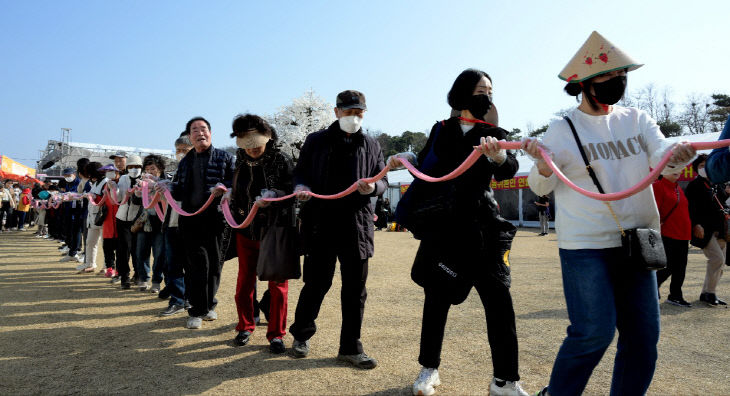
[[642, 246], [279, 253], [101, 216], [427, 209]]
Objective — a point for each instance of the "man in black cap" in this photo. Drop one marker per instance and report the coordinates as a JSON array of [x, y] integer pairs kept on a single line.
[[330, 161], [120, 161]]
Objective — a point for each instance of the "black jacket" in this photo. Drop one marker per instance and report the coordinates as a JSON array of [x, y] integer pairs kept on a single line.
[[704, 210], [219, 170], [348, 217], [476, 239], [271, 171]]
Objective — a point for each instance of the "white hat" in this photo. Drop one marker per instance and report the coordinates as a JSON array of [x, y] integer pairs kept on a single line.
[[596, 56], [134, 159]]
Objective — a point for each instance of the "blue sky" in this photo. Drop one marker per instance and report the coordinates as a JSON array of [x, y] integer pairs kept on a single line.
[[133, 72]]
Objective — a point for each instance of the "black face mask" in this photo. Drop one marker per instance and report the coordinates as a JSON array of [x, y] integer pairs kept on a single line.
[[479, 105], [610, 91]]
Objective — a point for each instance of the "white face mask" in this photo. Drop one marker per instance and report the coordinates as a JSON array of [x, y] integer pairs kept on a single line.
[[350, 124], [702, 173], [111, 175], [135, 172], [69, 179], [179, 156]]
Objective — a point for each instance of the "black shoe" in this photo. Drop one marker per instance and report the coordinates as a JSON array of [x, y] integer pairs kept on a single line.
[[126, 285], [360, 360], [187, 304], [717, 300], [164, 294], [277, 346], [172, 310], [709, 298], [242, 338], [678, 301]]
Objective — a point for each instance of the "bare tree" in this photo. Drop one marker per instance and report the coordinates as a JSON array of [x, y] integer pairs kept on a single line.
[[696, 114]]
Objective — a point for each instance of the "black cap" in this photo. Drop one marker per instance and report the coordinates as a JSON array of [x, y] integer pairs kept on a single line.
[[351, 99]]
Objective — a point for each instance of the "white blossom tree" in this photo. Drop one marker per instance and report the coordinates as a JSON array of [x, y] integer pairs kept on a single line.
[[308, 113]]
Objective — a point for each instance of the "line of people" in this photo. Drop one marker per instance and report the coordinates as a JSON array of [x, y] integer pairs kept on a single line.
[[465, 244]]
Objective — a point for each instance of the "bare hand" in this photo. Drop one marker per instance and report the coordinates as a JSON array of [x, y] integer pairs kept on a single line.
[[489, 146], [532, 148], [698, 231], [394, 161], [365, 188], [218, 190]]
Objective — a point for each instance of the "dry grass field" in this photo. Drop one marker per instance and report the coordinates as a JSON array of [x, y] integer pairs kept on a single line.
[[63, 333]]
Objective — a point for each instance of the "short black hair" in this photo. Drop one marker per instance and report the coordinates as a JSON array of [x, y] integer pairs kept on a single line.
[[245, 122], [156, 160], [700, 158], [81, 166], [463, 88], [192, 120], [92, 170], [185, 133]]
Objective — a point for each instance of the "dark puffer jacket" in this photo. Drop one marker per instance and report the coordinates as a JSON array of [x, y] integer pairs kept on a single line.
[[705, 209], [476, 240], [348, 217], [271, 171], [219, 170]]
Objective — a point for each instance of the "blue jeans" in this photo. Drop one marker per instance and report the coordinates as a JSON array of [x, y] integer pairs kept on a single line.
[[145, 242], [174, 279], [603, 293]]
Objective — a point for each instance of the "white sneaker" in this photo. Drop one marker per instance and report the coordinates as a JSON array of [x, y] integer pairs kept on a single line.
[[194, 323], [506, 388], [427, 379], [80, 258], [81, 267], [64, 251]]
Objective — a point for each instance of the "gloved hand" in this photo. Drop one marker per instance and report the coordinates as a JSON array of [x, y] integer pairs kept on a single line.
[[302, 192], [218, 190], [264, 194]]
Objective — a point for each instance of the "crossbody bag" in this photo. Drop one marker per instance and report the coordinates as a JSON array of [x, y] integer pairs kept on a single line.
[[642, 246]]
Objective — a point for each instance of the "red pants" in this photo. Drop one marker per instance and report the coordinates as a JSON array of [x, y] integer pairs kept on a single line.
[[248, 254]]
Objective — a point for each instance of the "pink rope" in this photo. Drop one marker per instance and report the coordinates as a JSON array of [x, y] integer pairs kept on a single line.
[[161, 201]]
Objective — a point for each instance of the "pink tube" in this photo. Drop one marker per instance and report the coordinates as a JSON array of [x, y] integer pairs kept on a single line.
[[161, 206]]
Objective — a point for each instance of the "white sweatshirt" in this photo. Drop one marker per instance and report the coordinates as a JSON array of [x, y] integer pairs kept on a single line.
[[620, 146]]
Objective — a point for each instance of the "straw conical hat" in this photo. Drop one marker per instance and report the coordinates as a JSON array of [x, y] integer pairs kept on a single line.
[[596, 56]]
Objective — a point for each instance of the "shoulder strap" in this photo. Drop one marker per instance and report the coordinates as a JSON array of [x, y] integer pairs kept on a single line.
[[673, 207], [592, 174], [585, 158]]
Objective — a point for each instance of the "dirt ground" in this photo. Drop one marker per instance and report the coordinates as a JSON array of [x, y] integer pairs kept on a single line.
[[63, 333]]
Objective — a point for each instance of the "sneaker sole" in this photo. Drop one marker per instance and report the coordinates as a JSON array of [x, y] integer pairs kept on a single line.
[[676, 304]]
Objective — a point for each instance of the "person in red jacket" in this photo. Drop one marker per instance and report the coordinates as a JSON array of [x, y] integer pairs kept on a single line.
[[676, 232]]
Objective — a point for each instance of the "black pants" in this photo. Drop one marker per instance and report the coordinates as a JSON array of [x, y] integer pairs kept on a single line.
[[110, 246], [676, 252], [319, 269], [73, 232], [201, 239], [126, 245], [501, 330], [6, 211]]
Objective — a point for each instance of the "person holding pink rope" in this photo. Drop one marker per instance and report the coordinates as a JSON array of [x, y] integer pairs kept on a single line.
[[332, 160], [262, 170], [602, 291]]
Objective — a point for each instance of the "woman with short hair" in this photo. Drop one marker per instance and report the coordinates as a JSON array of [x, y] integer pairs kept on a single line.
[[262, 171]]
